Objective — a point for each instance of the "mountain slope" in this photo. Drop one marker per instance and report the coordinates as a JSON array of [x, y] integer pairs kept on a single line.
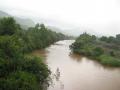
[[25, 23], [3, 14]]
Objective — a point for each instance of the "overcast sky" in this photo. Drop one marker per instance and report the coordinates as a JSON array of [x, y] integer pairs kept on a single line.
[[101, 16]]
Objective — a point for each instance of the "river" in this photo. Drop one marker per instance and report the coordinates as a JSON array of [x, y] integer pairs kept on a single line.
[[75, 72]]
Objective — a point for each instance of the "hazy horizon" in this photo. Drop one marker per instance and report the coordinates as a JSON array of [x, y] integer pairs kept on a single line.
[[96, 16]]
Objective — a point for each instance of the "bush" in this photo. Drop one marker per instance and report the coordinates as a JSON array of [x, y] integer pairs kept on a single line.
[[10, 47], [112, 53], [109, 60], [98, 51], [37, 67], [19, 81]]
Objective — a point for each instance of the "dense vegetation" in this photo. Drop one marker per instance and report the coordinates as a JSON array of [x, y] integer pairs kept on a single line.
[[39, 37], [104, 49], [18, 71]]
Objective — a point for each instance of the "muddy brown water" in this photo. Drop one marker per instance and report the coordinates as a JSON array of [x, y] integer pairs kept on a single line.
[[75, 72]]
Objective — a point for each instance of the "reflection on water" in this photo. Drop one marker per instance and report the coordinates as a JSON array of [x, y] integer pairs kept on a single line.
[[56, 78], [57, 75], [40, 53], [76, 57], [75, 72]]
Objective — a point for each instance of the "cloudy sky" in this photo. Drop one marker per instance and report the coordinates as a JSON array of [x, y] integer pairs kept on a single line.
[[101, 16]]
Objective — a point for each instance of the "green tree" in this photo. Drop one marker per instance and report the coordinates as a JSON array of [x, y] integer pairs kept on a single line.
[[8, 26], [98, 51], [112, 53], [103, 38], [19, 81]]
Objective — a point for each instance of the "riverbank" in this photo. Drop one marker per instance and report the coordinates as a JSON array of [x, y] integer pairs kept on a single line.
[[107, 53]]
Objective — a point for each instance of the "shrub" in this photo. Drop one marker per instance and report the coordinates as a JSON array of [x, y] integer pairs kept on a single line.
[[109, 60], [112, 53], [19, 81], [37, 67], [98, 51]]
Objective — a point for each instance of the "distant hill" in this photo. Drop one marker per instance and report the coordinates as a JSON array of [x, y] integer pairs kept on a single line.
[[58, 30], [55, 29], [25, 23], [3, 14], [70, 32]]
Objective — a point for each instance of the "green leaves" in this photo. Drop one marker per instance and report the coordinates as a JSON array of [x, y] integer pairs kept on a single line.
[[109, 60], [19, 81], [39, 37], [9, 46], [16, 71], [36, 66], [8, 26], [98, 51]]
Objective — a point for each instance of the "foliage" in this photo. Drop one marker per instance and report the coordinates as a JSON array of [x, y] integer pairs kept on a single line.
[[112, 53], [8, 26], [19, 81], [105, 49], [17, 71], [103, 38], [36, 66], [109, 60], [39, 37], [97, 51], [9, 47]]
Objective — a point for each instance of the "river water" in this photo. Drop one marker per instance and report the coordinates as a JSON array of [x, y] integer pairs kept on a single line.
[[75, 72]]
